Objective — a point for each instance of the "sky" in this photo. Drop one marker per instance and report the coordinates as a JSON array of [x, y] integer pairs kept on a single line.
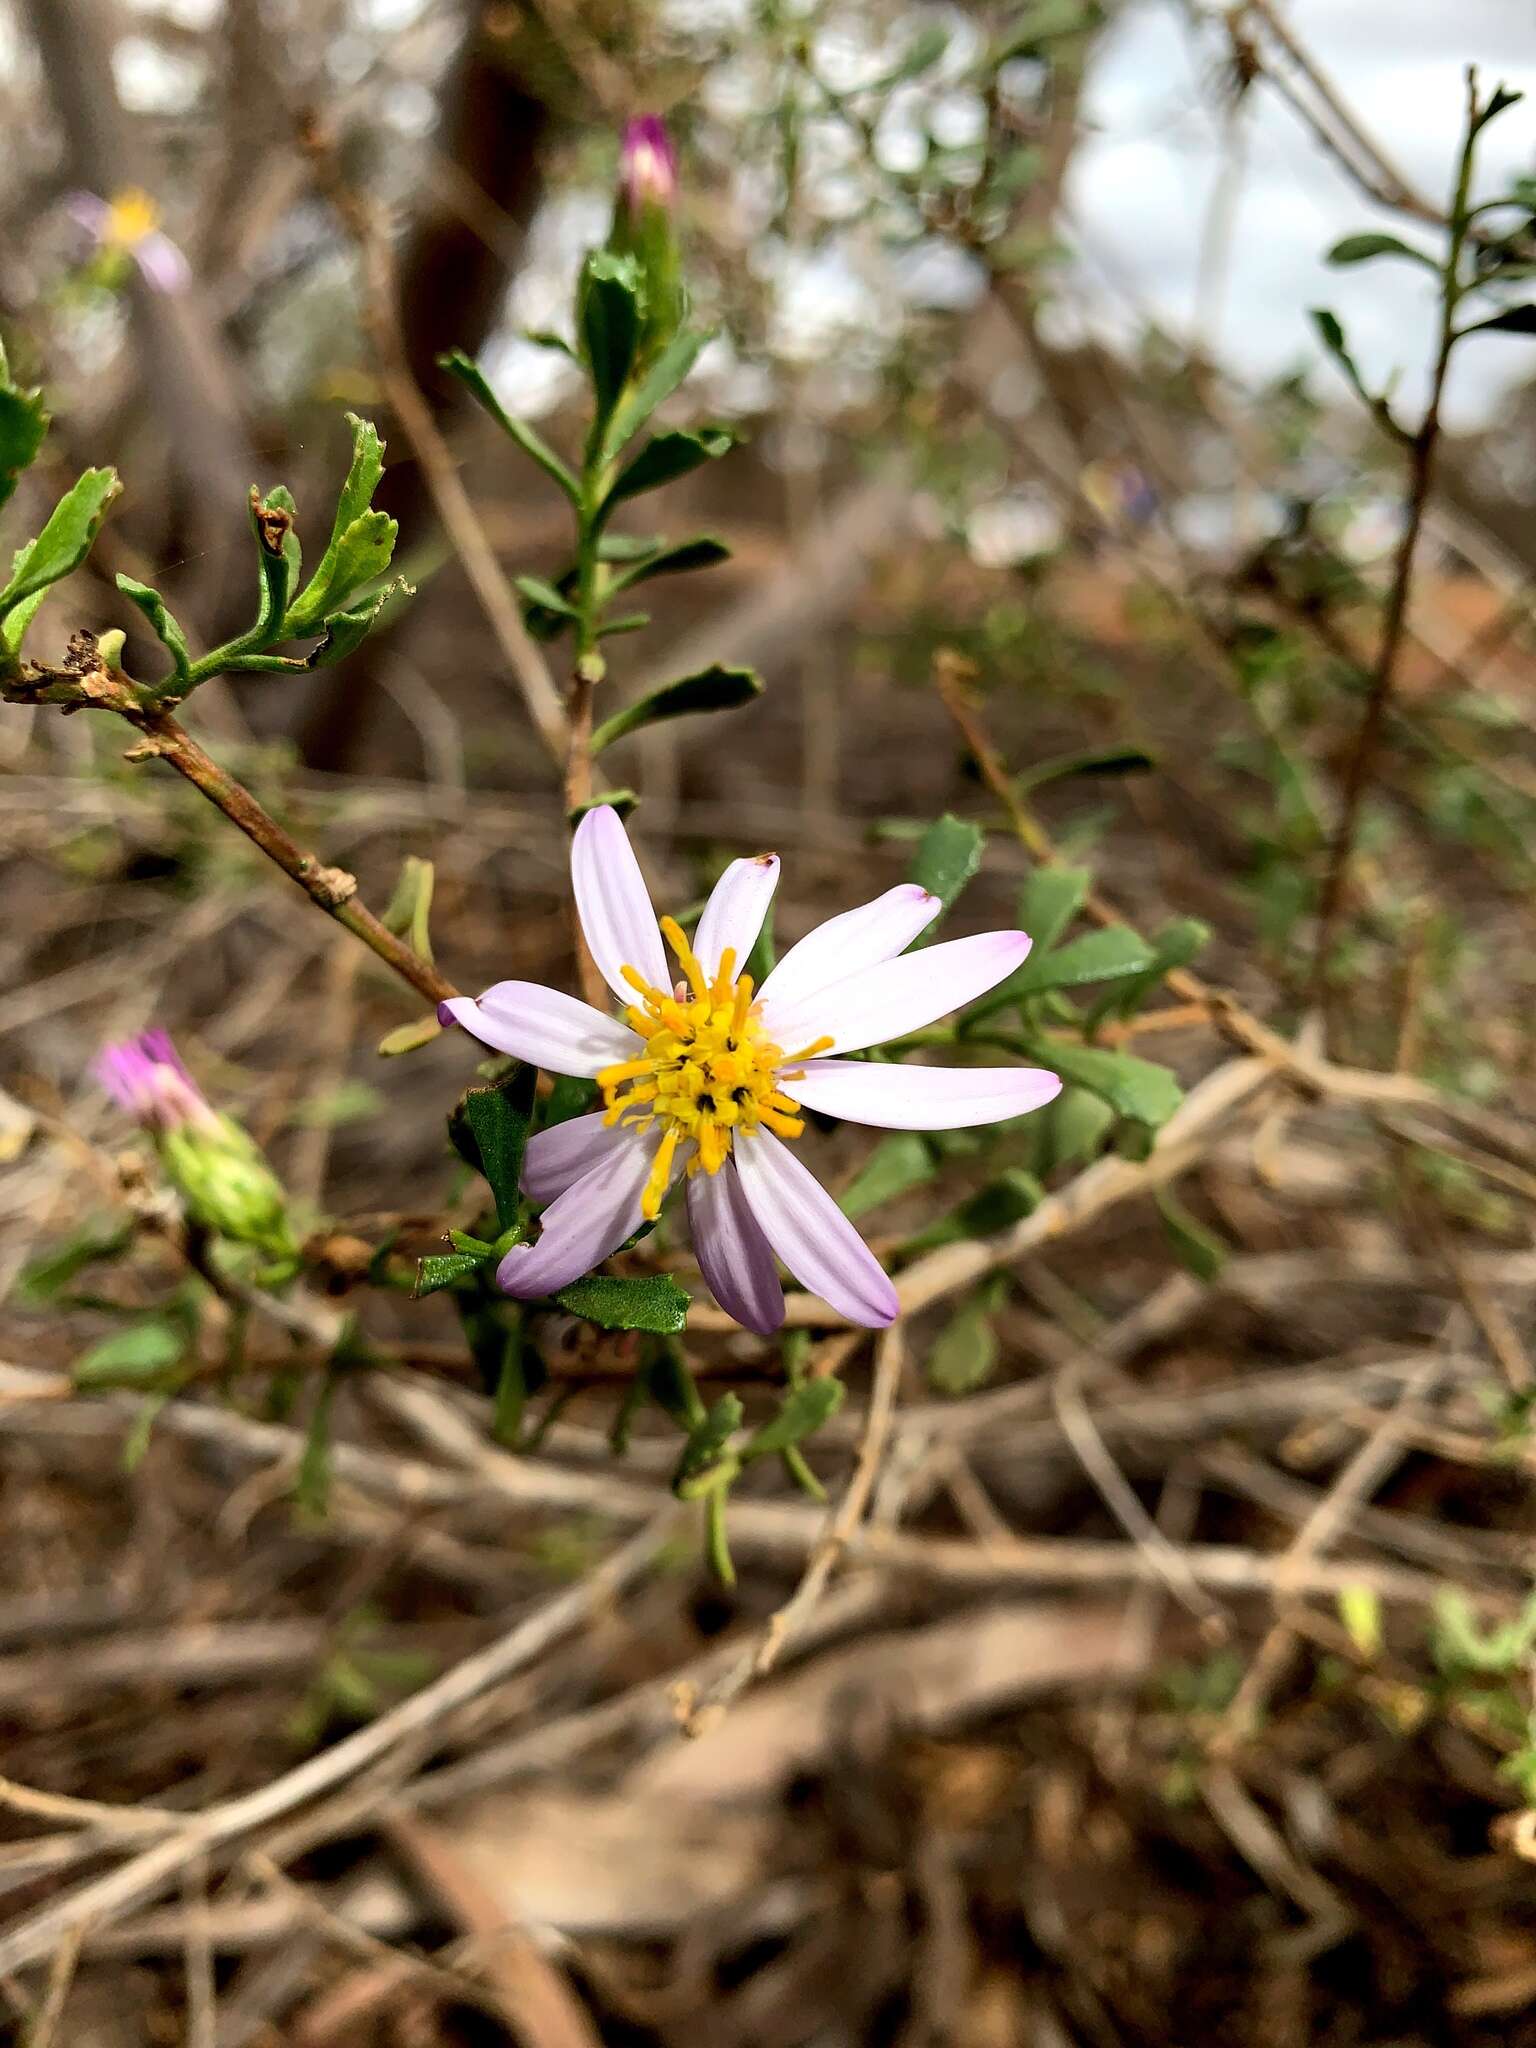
[[1140, 185]]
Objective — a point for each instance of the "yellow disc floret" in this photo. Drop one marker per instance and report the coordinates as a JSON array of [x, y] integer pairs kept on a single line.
[[132, 216], [707, 1068]]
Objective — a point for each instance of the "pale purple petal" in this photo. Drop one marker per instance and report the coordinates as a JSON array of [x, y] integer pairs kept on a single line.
[[164, 267], [615, 905], [734, 1256], [898, 996], [921, 1098], [581, 1227], [88, 211], [543, 1026], [857, 938], [811, 1234], [734, 914], [565, 1152]]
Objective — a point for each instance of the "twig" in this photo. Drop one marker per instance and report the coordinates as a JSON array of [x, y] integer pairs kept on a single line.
[[830, 1547], [61, 1975], [1422, 448], [146, 1875], [332, 889], [381, 317]]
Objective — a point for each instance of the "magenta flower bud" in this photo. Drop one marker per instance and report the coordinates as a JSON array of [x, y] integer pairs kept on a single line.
[[146, 1077], [647, 165]]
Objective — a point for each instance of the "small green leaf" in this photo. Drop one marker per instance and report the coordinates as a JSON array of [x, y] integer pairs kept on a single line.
[[1331, 334], [1097, 956], [1500, 100], [896, 1166], [947, 856], [1366, 248], [535, 590], [666, 457], [144, 1355], [489, 1129], [444, 1269], [1049, 901], [713, 689], [1090, 761], [409, 910], [473, 378], [511, 1396], [1201, 1250], [708, 1438], [608, 317], [654, 386], [1174, 946], [804, 1409], [409, 1037], [23, 429], [312, 1482], [702, 552], [161, 622], [44, 1278], [66, 538], [1002, 1203], [649, 1301], [346, 631], [362, 540], [1072, 1129], [964, 1354], [1134, 1088]]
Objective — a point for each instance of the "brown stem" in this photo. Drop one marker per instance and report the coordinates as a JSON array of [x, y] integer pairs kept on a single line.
[[332, 889]]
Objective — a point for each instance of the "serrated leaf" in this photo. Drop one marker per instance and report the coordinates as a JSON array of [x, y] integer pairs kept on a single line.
[[1199, 1249], [898, 1164], [162, 623], [648, 1301], [473, 378], [65, 540], [346, 631], [947, 856], [489, 1130], [804, 1409], [1366, 248], [608, 318], [357, 556], [702, 552], [664, 458], [964, 1354], [1132, 1087], [715, 688], [444, 1269], [143, 1355]]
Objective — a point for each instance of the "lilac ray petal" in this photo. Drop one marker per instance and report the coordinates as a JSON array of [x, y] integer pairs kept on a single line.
[[581, 1227], [922, 1098], [88, 211], [853, 940], [544, 1026], [164, 267], [899, 995], [615, 905], [565, 1152], [734, 914], [811, 1234], [734, 1256]]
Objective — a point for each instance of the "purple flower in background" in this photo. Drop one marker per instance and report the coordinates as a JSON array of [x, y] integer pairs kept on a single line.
[[706, 1077], [128, 225], [146, 1077], [647, 164]]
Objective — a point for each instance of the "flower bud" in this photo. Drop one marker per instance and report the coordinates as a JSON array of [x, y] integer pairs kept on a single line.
[[647, 165], [215, 1166], [644, 227]]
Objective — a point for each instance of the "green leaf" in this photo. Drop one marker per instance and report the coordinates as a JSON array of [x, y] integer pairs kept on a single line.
[[804, 1409], [65, 540], [1072, 1129], [1331, 334], [536, 591], [608, 317], [1174, 946], [14, 623], [1003, 1202], [702, 552], [1132, 1087], [713, 689], [444, 1269], [708, 1438], [1097, 956], [23, 429], [346, 631], [473, 378], [648, 1301], [408, 912], [362, 540], [1500, 100], [144, 1355], [964, 1354], [161, 623], [1366, 248], [947, 856], [511, 1396], [1513, 320], [655, 386], [1198, 1248], [666, 457], [44, 1278], [898, 1164], [489, 1130], [312, 1482], [1049, 901], [1091, 761]]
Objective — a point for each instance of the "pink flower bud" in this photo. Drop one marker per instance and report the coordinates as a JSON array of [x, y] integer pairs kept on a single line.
[[145, 1076], [647, 164]]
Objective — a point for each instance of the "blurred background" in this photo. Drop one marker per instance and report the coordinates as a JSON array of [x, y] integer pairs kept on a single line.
[[1010, 310]]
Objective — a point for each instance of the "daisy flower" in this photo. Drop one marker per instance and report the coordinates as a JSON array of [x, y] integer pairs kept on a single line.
[[128, 224], [706, 1077]]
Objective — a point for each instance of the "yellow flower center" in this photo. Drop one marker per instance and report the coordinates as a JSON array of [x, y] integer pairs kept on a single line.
[[708, 1069], [131, 216]]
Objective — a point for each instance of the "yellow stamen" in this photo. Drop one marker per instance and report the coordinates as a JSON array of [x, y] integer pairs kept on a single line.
[[687, 959], [725, 979], [810, 1051], [661, 1173]]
